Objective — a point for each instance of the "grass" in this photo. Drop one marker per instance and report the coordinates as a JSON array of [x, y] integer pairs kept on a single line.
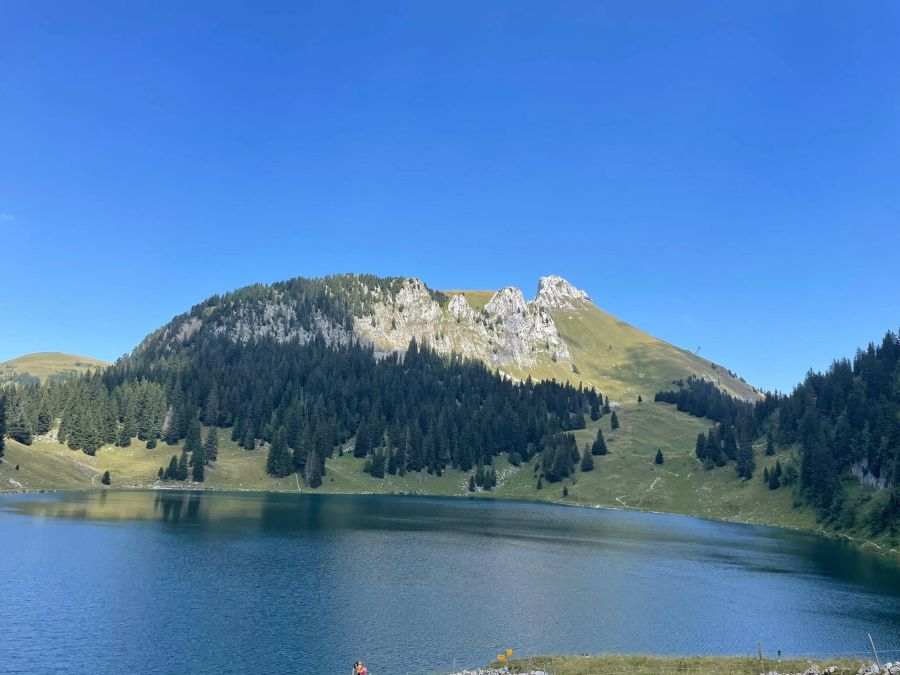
[[623, 362], [625, 478], [44, 364], [660, 665]]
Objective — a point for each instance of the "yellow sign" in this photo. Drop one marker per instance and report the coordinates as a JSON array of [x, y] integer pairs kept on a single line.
[[509, 652], [501, 657]]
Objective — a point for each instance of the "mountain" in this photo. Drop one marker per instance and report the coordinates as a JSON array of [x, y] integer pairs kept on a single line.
[[560, 334], [364, 384], [42, 366]]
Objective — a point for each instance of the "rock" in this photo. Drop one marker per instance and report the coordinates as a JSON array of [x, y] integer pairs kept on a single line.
[[556, 293]]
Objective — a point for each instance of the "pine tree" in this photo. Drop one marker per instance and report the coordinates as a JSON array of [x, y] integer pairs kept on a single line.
[[606, 407], [614, 421], [774, 481], [745, 462], [161, 474], [2, 425], [599, 446], [587, 460], [392, 464], [770, 446], [700, 447], [249, 442], [640, 400], [540, 484], [471, 483], [105, 479], [192, 440], [211, 447], [766, 475], [565, 491], [279, 462], [198, 465], [659, 456], [182, 471], [313, 470], [171, 472]]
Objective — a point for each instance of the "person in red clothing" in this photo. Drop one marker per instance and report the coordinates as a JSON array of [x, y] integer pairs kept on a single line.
[[359, 668]]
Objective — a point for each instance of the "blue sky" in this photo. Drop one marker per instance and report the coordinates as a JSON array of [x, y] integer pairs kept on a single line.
[[723, 175]]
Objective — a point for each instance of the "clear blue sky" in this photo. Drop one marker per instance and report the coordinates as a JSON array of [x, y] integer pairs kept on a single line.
[[721, 174]]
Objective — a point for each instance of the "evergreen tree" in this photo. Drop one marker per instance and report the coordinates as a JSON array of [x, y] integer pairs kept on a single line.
[[192, 441], [565, 491], [640, 400], [766, 475], [745, 461], [211, 447], [2, 425], [540, 484], [198, 465], [774, 481], [770, 445], [606, 407], [659, 456], [700, 447], [599, 446], [377, 467], [249, 442], [105, 479], [471, 483], [587, 460], [313, 470], [161, 474], [182, 470], [392, 464], [614, 421], [171, 472], [279, 462]]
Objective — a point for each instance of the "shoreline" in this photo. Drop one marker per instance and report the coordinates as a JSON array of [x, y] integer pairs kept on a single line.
[[861, 545]]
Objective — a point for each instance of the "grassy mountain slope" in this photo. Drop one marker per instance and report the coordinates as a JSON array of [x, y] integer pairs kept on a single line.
[[627, 361], [625, 478], [618, 359], [42, 365]]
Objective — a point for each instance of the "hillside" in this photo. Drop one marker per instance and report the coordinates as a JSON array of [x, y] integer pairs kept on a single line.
[[625, 478], [619, 359], [287, 372], [559, 334], [44, 365]]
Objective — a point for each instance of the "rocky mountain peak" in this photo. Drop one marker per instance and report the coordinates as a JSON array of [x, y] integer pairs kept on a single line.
[[507, 301], [554, 292]]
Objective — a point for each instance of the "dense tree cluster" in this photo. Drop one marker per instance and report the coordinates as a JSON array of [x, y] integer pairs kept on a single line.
[[841, 422], [418, 412], [846, 419], [2, 424]]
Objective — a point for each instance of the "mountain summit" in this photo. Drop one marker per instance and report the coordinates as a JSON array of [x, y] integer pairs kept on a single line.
[[559, 335], [556, 293]]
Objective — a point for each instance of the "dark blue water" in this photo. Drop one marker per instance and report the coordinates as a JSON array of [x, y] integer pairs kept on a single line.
[[121, 582]]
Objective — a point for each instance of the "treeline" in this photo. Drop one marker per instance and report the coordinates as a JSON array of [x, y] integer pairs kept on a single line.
[[308, 401], [843, 422], [847, 421]]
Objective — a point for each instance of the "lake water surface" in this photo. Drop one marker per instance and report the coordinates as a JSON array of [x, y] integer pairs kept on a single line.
[[134, 582]]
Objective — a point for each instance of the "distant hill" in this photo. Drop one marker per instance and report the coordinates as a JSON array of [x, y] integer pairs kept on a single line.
[[41, 366]]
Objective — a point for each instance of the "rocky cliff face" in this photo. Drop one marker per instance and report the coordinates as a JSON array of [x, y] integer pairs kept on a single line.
[[507, 331], [546, 337]]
